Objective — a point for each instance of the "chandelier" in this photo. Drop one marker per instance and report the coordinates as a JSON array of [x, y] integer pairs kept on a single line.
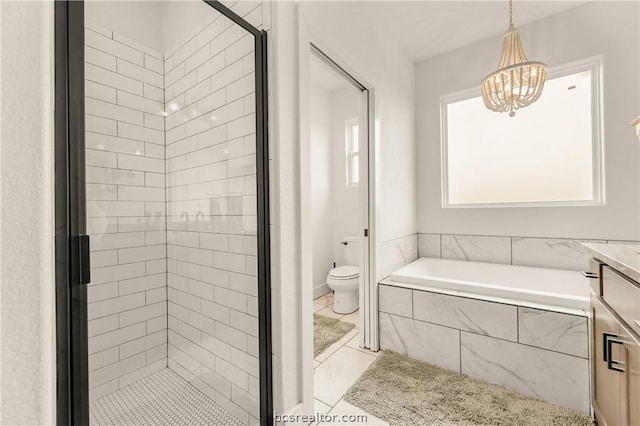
[[636, 123], [518, 82]]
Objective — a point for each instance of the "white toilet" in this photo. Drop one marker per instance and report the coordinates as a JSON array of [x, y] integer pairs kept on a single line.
[[345, 280]]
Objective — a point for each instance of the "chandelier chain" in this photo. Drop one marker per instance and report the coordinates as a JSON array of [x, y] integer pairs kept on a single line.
[[510, 13]]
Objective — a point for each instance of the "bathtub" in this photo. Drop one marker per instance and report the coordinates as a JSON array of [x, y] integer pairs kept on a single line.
[[553, 287], [520, 327]]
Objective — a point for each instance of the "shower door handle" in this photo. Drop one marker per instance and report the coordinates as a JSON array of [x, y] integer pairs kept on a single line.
[[83, 247]]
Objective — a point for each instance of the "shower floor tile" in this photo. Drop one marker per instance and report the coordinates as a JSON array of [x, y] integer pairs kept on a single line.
[[163, 398]]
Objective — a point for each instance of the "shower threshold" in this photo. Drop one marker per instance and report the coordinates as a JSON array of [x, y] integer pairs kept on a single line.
[[162, 398]]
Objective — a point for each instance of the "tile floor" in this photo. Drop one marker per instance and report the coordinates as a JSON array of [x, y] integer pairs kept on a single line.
[[339, 366], [323, 305], [163, 398]]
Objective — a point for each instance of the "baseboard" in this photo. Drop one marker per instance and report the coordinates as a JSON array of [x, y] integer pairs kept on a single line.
[[298, 409], [321, 290]]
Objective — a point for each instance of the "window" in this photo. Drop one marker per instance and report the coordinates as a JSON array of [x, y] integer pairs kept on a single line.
[[353, 153], [549, 154]]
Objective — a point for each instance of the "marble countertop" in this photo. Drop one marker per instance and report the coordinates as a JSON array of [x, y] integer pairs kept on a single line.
[[623, 257]]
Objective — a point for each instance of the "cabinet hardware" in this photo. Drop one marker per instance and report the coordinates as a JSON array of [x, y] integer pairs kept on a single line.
[[610, 361], [605, 346], [590, 275]]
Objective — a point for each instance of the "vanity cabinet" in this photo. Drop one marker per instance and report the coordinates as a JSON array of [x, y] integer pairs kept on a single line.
[[615, 343], [631, 378]]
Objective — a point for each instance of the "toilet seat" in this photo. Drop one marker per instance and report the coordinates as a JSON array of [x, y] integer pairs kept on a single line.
[[346, 272]]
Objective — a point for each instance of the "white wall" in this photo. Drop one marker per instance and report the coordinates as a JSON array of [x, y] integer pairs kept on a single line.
[[599, 28], [347, 204], [284, 199], [160, 25], [181, 18], [381, 63], [377, 59], [321, 172], [26, 196], [336, 207], [141, 21]]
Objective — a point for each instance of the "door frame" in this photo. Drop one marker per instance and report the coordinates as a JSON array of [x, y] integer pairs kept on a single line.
[[308, 45], [71, 243], [71, 248]]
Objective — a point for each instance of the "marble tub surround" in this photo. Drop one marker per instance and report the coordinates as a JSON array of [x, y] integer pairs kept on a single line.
[[555, 253], [395, 300], [538, 352], [430, 245], [420, 340], [476, 316], [623, 257], [550, 253], [554, 331], [396, 253], [476, 248], [547, 375]]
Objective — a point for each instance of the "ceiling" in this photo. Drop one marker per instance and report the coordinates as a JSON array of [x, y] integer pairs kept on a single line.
[[429, 28]]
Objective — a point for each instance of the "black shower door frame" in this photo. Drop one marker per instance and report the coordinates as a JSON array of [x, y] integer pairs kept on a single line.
[[72, 243]]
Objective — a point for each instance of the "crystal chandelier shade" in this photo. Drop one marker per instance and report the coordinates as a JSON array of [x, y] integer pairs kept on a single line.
[[518, 82]]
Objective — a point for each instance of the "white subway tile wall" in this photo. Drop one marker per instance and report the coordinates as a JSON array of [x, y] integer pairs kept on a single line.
[[171, 211], [211, 212], [126, 220]]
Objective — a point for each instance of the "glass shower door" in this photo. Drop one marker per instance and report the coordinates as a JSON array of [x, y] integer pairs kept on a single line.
[[175, 181]]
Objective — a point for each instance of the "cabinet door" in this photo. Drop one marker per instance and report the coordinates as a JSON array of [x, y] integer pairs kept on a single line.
[[630, 358], [623, 295], [606, 382]]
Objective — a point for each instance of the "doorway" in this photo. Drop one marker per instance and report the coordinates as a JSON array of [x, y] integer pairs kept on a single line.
[[337, 223]]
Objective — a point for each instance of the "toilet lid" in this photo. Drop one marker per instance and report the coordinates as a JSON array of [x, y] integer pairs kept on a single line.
[[345, 272]]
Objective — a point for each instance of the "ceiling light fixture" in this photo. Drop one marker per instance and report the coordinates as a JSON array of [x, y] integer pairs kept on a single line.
[[518, 82]]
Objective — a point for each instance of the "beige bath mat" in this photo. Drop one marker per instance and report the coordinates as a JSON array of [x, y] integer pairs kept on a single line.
[[327, 331], [404, 391]]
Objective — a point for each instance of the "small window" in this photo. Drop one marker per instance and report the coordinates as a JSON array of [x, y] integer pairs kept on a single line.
[[549, 154], [353, 153]]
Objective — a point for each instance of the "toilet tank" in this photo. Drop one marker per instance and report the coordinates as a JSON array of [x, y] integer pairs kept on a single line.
[[352, 250]]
